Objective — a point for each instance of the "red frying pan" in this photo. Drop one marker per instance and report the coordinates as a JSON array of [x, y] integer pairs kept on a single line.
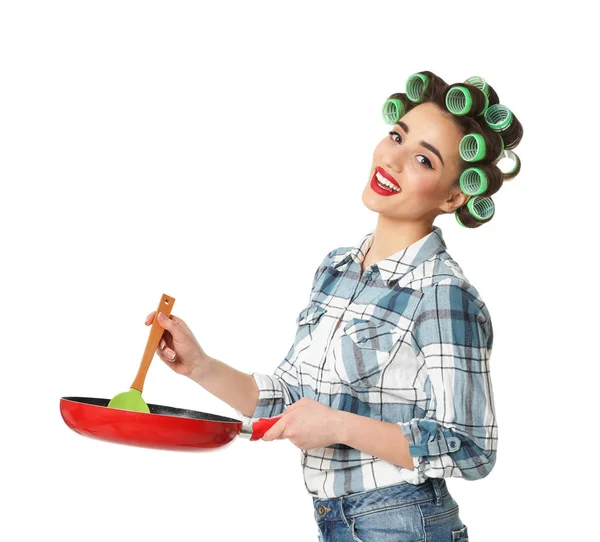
[[162, 427], [165, 428]]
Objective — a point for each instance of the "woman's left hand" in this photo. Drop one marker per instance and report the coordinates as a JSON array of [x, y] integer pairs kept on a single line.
[[307, 424]]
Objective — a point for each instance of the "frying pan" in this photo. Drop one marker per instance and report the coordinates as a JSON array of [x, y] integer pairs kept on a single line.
[[165, 428]]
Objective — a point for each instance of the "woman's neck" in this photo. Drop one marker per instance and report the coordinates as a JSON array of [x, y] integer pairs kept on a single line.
[[392, 236]]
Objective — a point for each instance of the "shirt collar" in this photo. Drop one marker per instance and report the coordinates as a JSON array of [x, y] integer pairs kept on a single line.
[[395, 266]]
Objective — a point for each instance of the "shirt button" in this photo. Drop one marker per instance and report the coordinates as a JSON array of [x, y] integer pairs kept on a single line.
[[363, 340], [452, 444]]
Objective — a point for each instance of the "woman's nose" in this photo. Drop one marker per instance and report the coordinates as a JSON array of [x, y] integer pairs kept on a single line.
[[395, 160], [394, 163]]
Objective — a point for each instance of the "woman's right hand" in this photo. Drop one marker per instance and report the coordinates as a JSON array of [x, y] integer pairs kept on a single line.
[[178, 347]]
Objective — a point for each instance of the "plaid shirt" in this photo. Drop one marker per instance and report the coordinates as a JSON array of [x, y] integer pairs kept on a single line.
[[412, 348]]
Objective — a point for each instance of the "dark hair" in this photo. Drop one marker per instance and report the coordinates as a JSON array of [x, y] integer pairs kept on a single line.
[[473, 122]]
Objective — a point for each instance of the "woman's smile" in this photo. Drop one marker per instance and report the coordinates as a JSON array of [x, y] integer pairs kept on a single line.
[[382, 183]]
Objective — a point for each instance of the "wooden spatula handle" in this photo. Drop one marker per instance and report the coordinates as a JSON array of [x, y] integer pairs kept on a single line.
[[156, 333]]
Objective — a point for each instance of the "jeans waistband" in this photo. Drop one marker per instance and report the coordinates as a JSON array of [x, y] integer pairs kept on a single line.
[[383, 497]]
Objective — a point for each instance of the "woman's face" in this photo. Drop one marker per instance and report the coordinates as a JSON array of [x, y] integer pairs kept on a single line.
[[410, 157]]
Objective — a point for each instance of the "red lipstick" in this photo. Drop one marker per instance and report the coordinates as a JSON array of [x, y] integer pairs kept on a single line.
[[378, 188]]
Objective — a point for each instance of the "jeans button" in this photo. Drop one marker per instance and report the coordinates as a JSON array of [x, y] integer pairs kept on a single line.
[[322, 510]]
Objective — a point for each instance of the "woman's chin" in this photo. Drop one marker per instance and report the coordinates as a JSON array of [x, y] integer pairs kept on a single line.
[[373, 201]]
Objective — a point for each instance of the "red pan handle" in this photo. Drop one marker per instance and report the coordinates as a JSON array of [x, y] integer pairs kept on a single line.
[[262, 425]]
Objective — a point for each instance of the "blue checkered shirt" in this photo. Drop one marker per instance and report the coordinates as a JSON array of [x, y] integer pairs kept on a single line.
[[412, 348]]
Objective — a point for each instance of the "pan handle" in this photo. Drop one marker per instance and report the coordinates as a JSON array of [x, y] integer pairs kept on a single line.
[[258, 429]]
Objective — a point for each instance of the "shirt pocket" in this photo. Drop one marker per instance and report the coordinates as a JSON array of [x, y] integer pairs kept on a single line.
[[307, 320], [366, 347]]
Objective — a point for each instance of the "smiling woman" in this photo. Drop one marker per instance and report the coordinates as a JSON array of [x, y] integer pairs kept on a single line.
[[446, 148], [386, 388]]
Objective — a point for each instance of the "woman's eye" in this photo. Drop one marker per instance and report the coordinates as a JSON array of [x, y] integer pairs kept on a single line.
[[394, 133], [426, 162]]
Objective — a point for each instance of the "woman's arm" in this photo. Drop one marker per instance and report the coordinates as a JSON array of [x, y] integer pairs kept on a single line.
[[457, 433], [381, 439], [237, 389], [280, 389], [255, 395]]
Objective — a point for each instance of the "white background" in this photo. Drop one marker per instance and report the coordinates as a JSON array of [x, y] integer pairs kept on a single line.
[[216, 152]]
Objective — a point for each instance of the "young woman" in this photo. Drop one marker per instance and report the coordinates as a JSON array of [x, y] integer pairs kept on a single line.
[[387, 388]]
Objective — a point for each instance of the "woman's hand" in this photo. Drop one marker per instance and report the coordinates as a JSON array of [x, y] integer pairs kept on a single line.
[[178, 347], [307, 424]]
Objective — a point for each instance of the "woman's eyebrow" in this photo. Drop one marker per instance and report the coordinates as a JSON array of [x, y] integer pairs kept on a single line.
[[423, 143]]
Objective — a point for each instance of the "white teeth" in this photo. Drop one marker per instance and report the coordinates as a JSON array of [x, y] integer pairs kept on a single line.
[[385, 182]]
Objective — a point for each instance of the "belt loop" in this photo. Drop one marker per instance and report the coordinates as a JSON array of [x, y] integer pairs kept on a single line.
[[438, 492]]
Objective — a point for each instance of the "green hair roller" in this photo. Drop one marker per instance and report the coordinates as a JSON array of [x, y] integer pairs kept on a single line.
[[393, 109], [416, 87], [481, 208], [459, 101], [480, 83], [473, 181], [498, 117], [472, 148]]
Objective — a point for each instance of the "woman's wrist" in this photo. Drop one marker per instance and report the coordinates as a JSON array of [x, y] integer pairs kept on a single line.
[[341, 424], [200, 370]]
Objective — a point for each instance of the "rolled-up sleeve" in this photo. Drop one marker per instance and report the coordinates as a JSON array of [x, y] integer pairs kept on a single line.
[[457, 435], [279, 390]]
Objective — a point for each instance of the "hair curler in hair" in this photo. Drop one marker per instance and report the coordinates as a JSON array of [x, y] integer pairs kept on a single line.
[[480, 83], [416, 87], [459, 101], [480, 208], [392, 110], [516, 164], [473, 181], [472, 148], [498, 117]]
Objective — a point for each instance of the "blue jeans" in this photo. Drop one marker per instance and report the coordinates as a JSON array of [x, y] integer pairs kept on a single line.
[[397, 513]]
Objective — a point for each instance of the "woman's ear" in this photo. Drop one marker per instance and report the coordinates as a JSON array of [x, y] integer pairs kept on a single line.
[[457, 198]]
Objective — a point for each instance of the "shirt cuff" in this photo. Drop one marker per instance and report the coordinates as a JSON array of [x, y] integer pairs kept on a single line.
[[428, 437], [271, 396]]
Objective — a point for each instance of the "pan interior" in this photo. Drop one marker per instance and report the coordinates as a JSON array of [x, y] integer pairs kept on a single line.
[[160, 409]]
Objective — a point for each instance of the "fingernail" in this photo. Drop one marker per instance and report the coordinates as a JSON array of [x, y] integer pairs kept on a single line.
[[162, 345], [161, 316], [172, 356]]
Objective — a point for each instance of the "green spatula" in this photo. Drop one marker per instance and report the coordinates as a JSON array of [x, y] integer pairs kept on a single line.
[[132, 399]]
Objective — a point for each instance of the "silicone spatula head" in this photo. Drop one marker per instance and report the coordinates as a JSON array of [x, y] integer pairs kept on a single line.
[[129, 400]]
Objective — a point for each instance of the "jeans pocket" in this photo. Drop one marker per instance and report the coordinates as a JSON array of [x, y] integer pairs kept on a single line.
[[438, 525], [391, 522], [353, 532], [460, 534]]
